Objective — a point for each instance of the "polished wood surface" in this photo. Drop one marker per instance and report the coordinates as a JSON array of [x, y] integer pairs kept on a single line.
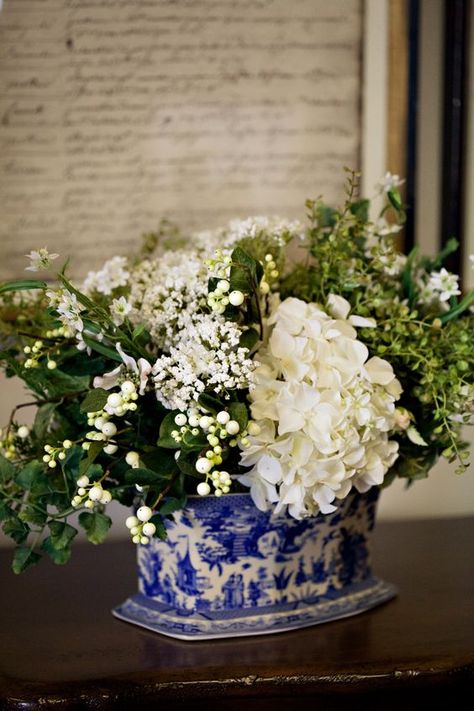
[[60, 648]]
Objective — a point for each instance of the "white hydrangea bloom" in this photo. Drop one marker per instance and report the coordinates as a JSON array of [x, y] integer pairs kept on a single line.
[[325, 410], [113, 274], [205, 354]]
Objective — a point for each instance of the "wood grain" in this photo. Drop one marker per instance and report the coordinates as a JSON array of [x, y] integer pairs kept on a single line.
[[60, 647]]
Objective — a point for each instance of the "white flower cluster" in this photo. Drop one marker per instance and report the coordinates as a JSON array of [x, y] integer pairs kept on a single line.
[[113, 274], [165, 293], [440, 287], [380, 246], [68, 308], [324, 410], [280, 230], [206, 353]]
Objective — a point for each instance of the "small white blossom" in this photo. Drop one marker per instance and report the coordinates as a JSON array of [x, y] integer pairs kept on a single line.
[[443, 285], [389, 182], [40, 260], [68, 309], [119, 310]]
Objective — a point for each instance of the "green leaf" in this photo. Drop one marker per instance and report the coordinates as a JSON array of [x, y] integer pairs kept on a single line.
[[245, 272], [22, 285], [27, 476], [23, 558], [101, 348], [395, 199], [95, 400], [62, 534], [5, 511], [60, 383], [249, 338], [431, 263], [7, 470], [43, 418], [93, 452], [160, 460], [166, 428], [33, 515], [145, 476], [141, 336], [82, 298], [459, 308], [187, 463], [96, 526], [327, 216], [210, 403], [408, 283], [16, 529], [360, 209], [82, 364], [60, 556], [238, 411], [172, 504], [415, 437], [160, 527]]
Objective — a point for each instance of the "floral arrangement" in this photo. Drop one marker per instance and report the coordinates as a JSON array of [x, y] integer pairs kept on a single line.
[[300, 362]]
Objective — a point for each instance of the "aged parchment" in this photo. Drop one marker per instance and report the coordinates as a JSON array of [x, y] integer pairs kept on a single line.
[[115, 113]]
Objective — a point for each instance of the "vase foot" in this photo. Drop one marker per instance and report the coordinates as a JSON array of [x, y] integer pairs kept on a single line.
[[201, 625]]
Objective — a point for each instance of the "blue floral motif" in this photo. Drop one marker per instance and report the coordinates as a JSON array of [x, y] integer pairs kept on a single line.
[[230, 569]]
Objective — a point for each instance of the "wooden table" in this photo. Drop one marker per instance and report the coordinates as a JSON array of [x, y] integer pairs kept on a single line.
[[60, 648]]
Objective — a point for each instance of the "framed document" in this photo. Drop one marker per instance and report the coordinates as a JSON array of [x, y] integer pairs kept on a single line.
[[198, 112]]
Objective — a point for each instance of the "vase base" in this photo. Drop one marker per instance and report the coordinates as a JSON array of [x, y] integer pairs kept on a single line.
[[196, 626]]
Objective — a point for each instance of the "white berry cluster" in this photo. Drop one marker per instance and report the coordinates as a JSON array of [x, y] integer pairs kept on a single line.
[[11, 441], [270, 274], [219, 265], [104, 431], [55, 453], [218, 299], [140, 527], [118, 403], [90, 493], [221, 431], [34, 353]]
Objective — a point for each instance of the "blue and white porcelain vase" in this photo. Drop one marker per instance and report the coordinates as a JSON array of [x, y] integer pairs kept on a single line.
[[228, 570]]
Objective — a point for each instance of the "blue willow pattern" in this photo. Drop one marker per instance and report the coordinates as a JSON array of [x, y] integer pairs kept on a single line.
[[228, 569]]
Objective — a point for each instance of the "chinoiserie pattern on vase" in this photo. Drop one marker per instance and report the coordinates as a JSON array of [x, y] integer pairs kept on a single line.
[[228, 569]]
